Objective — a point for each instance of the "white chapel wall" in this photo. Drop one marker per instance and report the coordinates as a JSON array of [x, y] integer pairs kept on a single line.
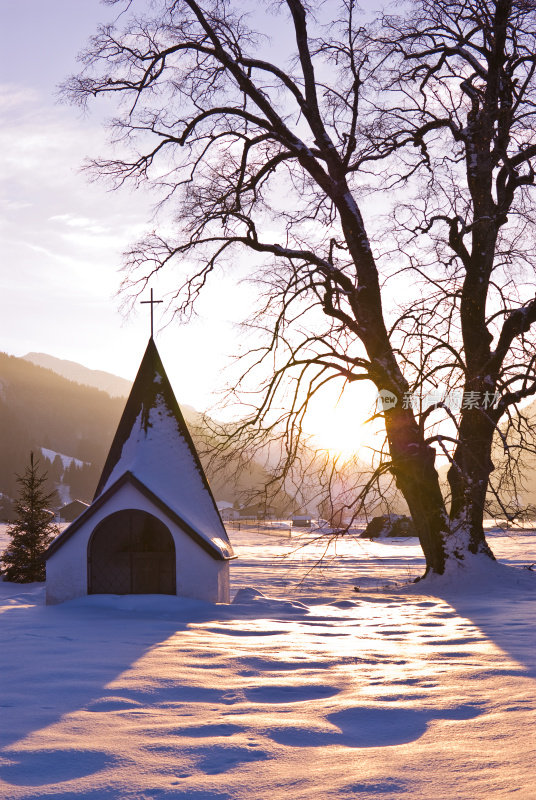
[[198, 574]]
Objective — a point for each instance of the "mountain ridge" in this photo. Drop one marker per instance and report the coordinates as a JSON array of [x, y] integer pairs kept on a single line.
[[107, 382]]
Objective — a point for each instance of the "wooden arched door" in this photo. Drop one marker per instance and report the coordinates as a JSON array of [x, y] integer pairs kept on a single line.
[[131, 552]]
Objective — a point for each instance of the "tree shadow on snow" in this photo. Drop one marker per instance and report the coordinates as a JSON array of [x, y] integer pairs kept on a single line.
[[60, 659], [503, 608], [509, 622]]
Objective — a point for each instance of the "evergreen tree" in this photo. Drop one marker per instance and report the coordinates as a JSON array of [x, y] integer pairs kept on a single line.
[[31, 533]]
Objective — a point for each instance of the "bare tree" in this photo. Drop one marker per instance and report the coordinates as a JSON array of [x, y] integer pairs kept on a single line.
[[430, 114]]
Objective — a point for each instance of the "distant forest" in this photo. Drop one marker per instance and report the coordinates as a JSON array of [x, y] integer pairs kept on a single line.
[[41, 409]]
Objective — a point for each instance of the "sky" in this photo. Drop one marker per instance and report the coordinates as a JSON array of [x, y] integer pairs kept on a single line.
[[62, 237]]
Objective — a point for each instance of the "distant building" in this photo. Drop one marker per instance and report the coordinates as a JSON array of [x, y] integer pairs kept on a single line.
[[70, 511], [153, 526], [301, 520], [228, 512], [258, 511]]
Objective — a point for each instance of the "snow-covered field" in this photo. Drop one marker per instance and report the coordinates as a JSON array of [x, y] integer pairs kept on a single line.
[[309, 691]]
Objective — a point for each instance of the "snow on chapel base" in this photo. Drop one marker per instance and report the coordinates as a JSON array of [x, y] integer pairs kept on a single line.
[[153, 526]]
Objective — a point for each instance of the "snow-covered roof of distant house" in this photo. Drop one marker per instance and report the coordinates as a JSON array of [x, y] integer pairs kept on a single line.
[[223, 505], [153, 444], [75, 507]]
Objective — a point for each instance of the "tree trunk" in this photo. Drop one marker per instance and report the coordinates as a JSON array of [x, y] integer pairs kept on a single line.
[[468, 478], [417, 479]]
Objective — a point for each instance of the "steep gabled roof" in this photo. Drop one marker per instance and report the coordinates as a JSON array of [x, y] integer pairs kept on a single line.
[[154, 444], [219, 550]]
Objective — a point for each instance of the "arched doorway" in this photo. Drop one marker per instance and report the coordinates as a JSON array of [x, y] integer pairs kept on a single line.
[[131, 552]]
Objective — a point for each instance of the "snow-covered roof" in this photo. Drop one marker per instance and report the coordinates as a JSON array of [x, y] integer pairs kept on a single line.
[[153, 443], [216, 547], [223, 504]]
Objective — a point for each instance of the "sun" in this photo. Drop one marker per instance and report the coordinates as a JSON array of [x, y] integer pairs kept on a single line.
[[339, 424]]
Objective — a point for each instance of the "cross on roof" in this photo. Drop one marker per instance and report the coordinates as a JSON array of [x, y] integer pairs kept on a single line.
[[152, 303]]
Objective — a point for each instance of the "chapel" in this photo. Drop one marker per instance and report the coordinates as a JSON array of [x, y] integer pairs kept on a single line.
[[153, 526]]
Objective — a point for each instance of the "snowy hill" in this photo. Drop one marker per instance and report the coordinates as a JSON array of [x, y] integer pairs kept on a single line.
[[40, 409], [105, 381], [66, 461]]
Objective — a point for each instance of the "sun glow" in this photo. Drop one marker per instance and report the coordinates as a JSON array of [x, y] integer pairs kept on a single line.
[[339, 424]]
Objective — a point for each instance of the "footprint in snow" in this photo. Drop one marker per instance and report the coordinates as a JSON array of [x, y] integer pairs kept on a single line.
[[289, 694], [39, 767], [368, 788], [202, 731], [221, 758], [105, 704], [371, 727]]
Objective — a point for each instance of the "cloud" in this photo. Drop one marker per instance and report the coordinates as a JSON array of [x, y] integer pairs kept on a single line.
[[82, 223], [45, 199], [16, 98], [62, 240]]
